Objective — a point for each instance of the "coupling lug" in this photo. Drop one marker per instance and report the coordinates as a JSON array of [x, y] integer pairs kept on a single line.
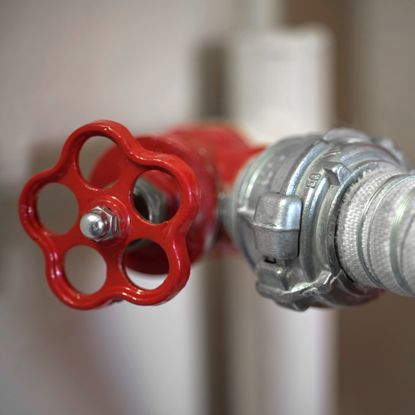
[[276, 225]]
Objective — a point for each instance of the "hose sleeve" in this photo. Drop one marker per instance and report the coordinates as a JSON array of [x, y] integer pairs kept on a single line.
[[376, 231]]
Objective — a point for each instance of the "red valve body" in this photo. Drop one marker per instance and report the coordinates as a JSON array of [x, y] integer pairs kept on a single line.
[[203, 161], [216, 153]]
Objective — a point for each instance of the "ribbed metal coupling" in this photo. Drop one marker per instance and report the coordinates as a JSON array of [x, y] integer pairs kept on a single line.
[[376, 231]]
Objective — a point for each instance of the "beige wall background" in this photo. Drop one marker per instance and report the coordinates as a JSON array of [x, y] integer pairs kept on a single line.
[[375, 92], [65, 63]]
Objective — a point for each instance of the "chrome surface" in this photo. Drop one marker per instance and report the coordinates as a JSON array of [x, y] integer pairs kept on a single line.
[[99, 224], [282, 212]]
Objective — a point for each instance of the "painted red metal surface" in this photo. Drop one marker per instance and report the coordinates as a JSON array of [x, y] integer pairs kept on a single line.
[[216, 153], [202, 159], [170, 236]]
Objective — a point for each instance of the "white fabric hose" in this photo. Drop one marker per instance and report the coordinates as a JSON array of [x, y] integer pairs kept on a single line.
[[376, 231]]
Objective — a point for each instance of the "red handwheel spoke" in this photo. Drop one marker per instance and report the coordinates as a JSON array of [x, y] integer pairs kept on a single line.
[[108, 221]]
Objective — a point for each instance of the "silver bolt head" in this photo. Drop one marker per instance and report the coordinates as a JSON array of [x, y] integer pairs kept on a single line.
[[99, 224]]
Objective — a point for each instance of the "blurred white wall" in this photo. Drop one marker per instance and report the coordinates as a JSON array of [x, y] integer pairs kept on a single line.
[[64, 63], [138, 62]]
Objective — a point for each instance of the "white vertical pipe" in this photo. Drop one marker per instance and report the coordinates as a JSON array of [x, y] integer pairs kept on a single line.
[[280, 83], [260, 15]]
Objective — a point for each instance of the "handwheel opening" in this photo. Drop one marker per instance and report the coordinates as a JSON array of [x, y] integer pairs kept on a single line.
[[156, 196], [93, 150], [146, 264], [57, 208], [142, 206], [85, 269]]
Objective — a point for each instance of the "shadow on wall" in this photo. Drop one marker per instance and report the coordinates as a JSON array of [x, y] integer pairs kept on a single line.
[[212, 81], [211, 84]]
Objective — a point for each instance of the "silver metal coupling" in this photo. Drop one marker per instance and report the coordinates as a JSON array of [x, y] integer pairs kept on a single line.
[[283, 214]]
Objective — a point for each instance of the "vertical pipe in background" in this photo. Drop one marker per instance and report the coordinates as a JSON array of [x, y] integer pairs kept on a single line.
[[281, 361]]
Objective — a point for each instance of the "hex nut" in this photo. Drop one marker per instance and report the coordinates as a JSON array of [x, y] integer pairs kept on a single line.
[[99, 224]]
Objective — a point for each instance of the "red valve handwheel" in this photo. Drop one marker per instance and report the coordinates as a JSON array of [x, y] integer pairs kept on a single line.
[[169, 235]]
